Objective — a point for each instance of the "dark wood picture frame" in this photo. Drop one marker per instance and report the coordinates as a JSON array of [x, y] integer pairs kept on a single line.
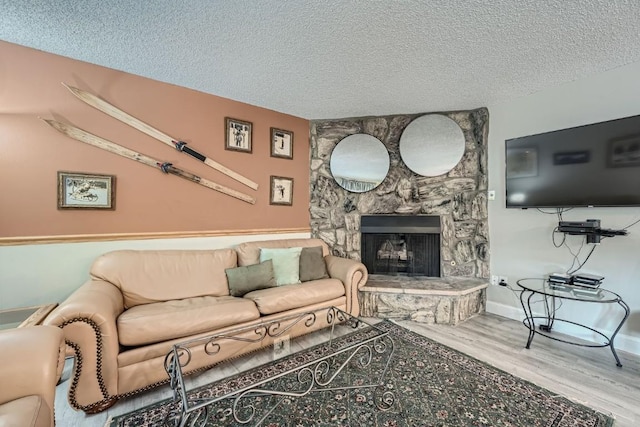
[[80, 190], [281, 143], [281, 192], [238, 135]]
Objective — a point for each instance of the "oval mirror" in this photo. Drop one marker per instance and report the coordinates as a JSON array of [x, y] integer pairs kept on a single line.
[[359, 163], [432, 145]]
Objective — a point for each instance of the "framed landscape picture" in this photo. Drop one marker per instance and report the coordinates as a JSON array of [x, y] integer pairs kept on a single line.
[[281, 191], [281, 143], [238, 135], [77, 190]]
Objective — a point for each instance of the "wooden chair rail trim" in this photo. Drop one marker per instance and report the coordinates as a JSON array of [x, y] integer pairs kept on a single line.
[[80, 238]]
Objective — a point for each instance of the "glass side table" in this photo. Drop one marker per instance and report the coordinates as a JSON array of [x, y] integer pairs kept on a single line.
[[539, 286]]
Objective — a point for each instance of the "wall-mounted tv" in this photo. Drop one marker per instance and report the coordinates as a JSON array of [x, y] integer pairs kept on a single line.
[[585, 166]]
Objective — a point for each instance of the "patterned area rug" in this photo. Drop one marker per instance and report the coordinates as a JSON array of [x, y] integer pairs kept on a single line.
[[433, 385]]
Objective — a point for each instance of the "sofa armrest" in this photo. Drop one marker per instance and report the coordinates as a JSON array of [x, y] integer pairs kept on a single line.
[[88, 319], [353, 274], [28, 363]]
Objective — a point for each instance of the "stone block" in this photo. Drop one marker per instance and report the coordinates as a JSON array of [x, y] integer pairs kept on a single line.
[[444, 301]]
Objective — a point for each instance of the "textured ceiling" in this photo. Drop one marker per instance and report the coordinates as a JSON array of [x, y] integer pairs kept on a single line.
[[339, 58]]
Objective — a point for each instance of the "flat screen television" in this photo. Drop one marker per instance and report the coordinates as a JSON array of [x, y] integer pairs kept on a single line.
[[585, 166]]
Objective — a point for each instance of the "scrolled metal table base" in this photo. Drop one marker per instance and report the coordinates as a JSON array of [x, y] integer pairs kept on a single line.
[[315, 376]]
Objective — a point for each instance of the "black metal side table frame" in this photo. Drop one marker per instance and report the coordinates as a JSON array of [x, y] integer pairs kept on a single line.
[[532, 287]]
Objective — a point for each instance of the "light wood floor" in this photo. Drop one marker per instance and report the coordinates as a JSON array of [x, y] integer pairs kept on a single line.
[[586, 375]]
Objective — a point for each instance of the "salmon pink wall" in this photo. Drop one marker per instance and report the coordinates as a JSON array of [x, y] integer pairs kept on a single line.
[[147, 201]]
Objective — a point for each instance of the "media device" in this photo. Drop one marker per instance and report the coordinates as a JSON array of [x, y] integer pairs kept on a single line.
[[585, 166], [590, 224], [589, 228]]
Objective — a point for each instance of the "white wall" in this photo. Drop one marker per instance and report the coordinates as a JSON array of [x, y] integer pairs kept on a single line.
[[521, 243], [41, 274]]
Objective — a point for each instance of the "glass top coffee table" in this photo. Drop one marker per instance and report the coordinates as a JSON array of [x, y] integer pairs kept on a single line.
[[311, 352]]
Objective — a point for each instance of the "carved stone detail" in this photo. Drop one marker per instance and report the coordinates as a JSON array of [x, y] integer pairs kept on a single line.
[[459, 196]]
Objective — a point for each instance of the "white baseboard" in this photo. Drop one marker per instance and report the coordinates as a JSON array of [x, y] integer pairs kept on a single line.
[[622, 342]]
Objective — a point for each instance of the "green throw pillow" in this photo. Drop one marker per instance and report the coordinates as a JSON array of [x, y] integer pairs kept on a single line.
[[243, 280], [286, 264], [312, 266]]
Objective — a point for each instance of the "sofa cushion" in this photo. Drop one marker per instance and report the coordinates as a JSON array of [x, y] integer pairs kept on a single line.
[[151, 323], [250, 278], [286, 264], [312, 266], [150, 276], [29, 411], [249, 252], [287, 297]]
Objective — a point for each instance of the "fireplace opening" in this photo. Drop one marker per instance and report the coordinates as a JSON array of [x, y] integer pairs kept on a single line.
[[401, 245]]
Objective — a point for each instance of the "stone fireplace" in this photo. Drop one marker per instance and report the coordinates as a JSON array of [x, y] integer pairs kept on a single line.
[[458, 197], [398, 285], [401, 244]]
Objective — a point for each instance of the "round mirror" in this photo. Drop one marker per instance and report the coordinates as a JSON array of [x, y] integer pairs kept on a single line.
[[359, 163], [432, 145]]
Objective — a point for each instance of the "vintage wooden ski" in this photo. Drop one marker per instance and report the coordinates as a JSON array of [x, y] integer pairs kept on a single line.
[[124, 117], [104, 144]]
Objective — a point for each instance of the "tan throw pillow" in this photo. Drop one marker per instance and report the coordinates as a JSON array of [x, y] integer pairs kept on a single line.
[[249, 278], [312, 266]]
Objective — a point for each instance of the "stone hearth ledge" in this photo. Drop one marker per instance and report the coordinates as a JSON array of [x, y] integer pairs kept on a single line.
[[444, 300]]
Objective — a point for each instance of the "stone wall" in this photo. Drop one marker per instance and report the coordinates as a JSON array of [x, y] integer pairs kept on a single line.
[[459, 197]]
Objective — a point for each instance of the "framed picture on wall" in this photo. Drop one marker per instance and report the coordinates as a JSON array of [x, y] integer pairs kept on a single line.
[[78, 190], [238, 135], [281, 143], [281, 191]]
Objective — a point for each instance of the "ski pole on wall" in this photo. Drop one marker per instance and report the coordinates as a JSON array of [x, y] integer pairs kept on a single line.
[[126, 118], [104, 144]]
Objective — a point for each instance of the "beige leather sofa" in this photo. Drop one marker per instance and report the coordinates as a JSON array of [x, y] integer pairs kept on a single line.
[[30, 360], [122, 322]]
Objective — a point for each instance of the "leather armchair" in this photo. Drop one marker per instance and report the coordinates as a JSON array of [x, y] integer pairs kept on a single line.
[[30, 361]]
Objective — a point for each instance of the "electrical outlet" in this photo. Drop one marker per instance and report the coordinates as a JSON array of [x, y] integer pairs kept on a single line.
[[495, 280], [281, 346], [503, 279], [491, 194]]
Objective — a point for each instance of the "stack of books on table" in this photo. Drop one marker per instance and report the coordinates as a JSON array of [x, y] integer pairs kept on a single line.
[[586, 284], [559, 281]]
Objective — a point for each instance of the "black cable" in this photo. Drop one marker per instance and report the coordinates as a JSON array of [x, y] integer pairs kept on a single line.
[[631, 225], [583, 262], [553, 238], [575, 255], [516, 293], [555, 212]]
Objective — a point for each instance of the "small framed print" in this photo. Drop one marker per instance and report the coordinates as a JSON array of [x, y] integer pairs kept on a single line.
[[281, 143], [281, 191], [238, 135], [77, 190]]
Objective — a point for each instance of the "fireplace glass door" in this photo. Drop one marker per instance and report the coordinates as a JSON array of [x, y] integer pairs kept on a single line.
[[402, 254]]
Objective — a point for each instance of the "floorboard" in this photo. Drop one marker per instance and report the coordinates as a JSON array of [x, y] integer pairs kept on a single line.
[[585, 375]]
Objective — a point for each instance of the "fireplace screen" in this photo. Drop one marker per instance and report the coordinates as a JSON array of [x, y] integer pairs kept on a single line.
[[401, 244], [410, 254]]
